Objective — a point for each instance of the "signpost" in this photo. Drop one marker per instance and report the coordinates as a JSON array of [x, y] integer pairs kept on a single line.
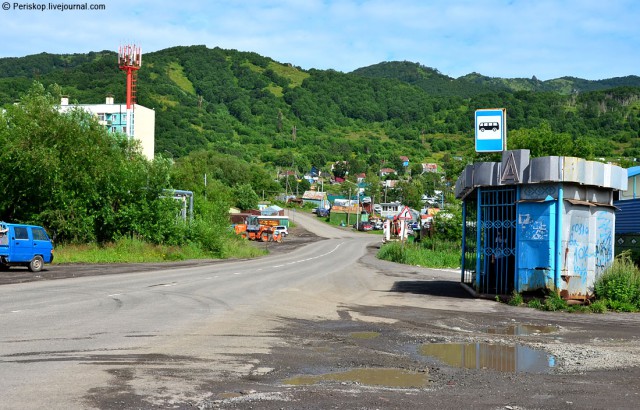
[[491, 130]]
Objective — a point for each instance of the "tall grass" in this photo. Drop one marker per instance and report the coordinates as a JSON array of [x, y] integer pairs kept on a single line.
[[133, 250], [416, 254], [619, 285]]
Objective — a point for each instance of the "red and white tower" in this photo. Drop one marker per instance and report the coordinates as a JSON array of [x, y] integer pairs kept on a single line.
[[129, 61]]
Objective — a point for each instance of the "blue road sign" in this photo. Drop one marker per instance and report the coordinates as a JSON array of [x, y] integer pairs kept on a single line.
[[491, 130]]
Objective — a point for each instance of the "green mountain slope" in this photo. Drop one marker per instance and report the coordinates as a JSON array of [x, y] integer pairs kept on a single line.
[[266, 112], [432, 81]]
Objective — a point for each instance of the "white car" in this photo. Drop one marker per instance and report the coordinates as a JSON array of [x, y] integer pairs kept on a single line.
[[282, 229]]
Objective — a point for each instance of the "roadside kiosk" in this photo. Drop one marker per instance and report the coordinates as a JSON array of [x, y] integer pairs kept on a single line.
[[537, 223]]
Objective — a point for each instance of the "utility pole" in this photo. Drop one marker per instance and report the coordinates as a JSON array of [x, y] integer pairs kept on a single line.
[[349, 209], [358, 209]]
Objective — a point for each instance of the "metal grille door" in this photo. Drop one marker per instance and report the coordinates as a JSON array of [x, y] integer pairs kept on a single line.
[[497, 239], [469, 237]]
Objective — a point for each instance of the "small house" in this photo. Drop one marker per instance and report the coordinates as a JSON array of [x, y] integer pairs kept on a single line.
[[319, 199]]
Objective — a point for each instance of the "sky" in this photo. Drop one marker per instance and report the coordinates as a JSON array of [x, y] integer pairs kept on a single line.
[[590, 39]]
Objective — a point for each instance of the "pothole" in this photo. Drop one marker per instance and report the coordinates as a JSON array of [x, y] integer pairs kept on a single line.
[[364, 335], [386, 377], [513, 359], [522, 330]]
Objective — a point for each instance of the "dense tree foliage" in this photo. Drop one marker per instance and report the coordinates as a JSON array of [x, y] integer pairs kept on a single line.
[[228, 122], [263, 112], [64, 171]]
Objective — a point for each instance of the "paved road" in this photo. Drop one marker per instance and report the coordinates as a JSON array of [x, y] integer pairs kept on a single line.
[[234, 334], [60, 338]]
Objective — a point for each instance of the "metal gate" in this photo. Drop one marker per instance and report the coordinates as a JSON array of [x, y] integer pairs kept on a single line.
[[497, 239], [469, 236]]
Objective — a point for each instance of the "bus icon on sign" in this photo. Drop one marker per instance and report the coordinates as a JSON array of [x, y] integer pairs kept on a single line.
[[489, 126]]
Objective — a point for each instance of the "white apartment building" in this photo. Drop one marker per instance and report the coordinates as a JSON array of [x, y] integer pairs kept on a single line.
[[114, 117]]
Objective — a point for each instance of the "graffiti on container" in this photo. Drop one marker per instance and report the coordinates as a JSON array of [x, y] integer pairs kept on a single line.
[[533, 229], [604, 245], [579, 247]]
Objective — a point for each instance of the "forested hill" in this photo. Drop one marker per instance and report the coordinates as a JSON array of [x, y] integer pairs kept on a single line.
[[434, 82], [276, 114]]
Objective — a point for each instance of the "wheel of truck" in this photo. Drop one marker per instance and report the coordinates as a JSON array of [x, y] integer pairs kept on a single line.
[[265, 237], [279, 238], [244, 235], [36, 264]]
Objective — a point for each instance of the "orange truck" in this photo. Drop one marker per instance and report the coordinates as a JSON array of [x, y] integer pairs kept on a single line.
[[256, 232]]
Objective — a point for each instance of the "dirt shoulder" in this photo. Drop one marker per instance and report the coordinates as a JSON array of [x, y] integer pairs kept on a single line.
[[298, 236]]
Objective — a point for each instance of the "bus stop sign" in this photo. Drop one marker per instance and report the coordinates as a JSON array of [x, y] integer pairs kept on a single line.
[[491, 130]]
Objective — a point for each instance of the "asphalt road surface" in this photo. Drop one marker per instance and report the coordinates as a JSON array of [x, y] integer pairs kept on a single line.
[[319, 323]]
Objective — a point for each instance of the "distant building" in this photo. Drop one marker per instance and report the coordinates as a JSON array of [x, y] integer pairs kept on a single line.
[[405, 161], [390, 209], [114, 118], [429, 167], [387, 171], [319, 199]]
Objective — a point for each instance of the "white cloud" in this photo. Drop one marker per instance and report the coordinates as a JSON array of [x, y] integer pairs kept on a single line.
[[583, 38]]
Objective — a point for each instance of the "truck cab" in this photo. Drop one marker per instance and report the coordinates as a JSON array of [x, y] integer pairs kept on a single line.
[[24, 245]]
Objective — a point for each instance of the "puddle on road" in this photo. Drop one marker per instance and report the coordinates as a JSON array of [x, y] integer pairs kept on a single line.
[[396, 378], [510, 359], [364, 335], [522, 330]]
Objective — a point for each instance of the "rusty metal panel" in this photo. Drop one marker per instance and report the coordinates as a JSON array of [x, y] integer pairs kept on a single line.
[[588, 248]]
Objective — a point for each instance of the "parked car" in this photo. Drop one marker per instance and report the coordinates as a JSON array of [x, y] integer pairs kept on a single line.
[[24, 245], [363, 226], [377, 224], [322, 212], [282, 229]]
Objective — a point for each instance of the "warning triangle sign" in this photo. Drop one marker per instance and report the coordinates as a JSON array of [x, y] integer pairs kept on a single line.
[[510, 173], [405, 214]]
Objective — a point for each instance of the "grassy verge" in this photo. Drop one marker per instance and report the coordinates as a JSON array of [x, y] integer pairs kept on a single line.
[[127, 250], [418, 255]]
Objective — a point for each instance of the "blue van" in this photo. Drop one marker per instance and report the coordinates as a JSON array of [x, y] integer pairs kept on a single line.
[[24, 245]]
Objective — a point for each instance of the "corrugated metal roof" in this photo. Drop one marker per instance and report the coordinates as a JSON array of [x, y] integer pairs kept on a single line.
[[628, 217], [314, 195]]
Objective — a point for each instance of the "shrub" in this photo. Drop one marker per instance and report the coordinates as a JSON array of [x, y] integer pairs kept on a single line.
[[619, 285], [516, 299], [535, 304], [554, 302], [599, 306]]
